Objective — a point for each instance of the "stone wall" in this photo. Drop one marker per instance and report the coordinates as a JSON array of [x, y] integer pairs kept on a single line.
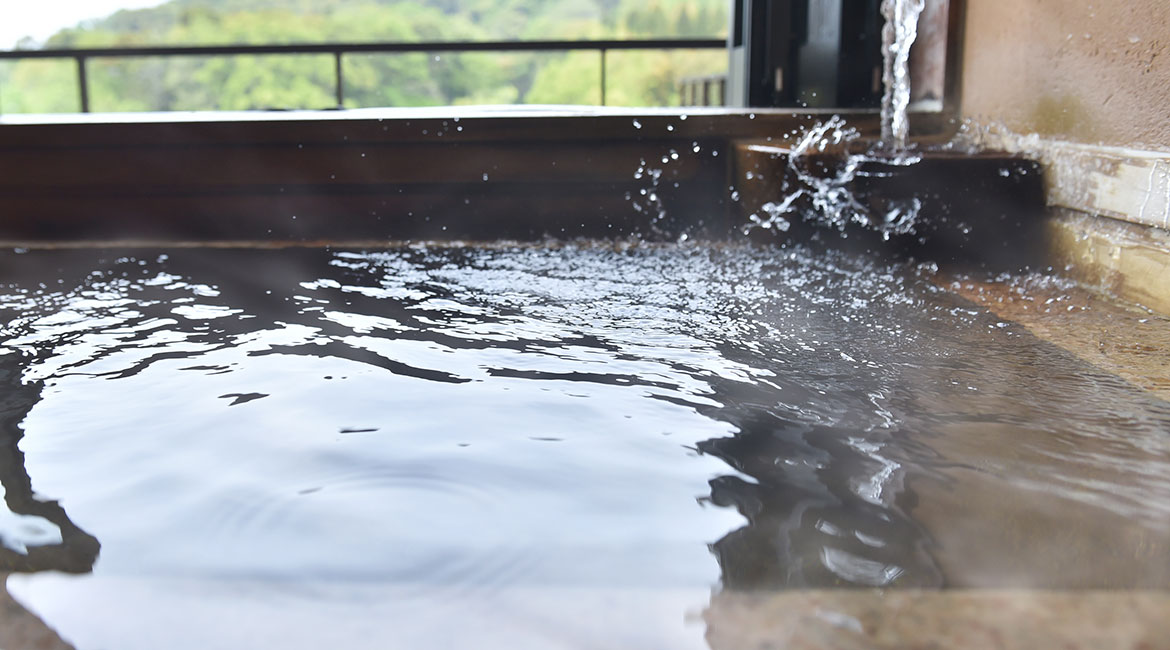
[[1094, 72]]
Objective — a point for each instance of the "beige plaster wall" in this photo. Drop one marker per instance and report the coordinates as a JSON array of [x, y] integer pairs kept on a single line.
[[1090, 71]]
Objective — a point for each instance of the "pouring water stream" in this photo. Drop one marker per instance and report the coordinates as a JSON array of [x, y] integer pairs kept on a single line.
[[898, 35]]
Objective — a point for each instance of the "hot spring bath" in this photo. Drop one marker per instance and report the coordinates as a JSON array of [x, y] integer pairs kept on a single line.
[[586, 445]]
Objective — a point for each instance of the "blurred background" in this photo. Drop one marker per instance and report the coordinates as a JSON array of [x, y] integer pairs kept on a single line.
[[306, 81]]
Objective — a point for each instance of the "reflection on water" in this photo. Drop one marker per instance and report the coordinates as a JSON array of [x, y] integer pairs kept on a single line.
[[557, 447], [35, 534]]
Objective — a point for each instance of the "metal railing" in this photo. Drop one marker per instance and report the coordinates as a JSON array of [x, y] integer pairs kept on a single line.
[[602, 47], [696, 91]]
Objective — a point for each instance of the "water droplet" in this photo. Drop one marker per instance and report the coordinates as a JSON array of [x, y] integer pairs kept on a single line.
[[485, 177], [637, 124], [669, 127], [683, 117]]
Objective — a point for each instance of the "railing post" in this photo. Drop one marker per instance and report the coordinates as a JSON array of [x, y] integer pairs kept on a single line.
[[339, 78], [602, 50], [83, 84]]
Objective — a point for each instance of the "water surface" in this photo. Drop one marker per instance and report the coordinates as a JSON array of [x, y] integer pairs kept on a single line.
[[549, 446]]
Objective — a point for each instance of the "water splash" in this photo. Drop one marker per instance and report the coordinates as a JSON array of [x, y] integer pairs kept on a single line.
[[648, 201], [824, 194], [898, 36]]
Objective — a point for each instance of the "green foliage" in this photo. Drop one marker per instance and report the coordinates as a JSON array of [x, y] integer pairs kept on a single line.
[[307, 81], [40, 86]]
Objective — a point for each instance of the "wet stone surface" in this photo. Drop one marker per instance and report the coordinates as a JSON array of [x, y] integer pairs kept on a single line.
[[1128, 340], [561, 446]]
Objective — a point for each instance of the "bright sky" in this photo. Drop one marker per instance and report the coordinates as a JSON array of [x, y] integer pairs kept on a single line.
[[41, 18]]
